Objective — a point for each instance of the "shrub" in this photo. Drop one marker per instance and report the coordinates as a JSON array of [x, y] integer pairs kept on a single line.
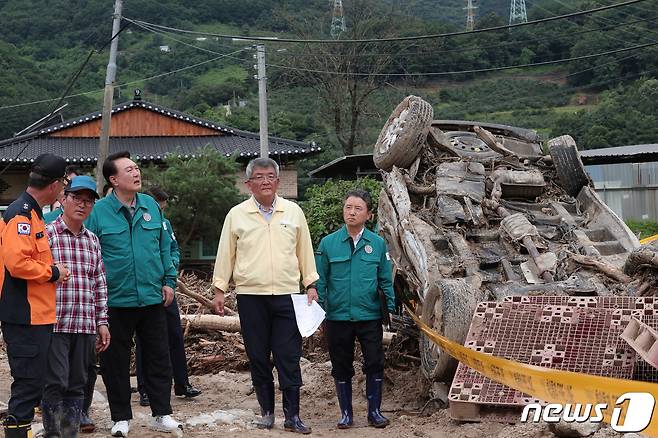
[[324, 205]]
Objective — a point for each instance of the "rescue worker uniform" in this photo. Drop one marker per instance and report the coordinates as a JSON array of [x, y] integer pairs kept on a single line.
[[27, 299], [351, 275]]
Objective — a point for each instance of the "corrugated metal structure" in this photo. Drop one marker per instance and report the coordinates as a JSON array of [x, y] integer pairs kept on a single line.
[[630, 189], [628, 181]]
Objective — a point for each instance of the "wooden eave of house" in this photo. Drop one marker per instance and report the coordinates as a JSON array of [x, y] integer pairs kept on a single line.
[[347, 167], [149, 132]]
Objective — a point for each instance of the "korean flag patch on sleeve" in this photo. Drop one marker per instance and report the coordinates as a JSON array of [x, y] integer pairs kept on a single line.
[[24, 229]]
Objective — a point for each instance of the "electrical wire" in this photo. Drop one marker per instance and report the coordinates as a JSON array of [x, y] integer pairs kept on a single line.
[[481, 70], [493, 46], [167, 35], [18, 105], [375, 40], [601, 20], [70, 84]]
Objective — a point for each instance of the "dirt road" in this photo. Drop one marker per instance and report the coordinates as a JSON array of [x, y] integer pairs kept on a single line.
[[226, 409]]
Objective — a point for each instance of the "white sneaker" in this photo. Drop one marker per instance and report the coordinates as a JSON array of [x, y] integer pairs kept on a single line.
[[164, 423], [121, 428]]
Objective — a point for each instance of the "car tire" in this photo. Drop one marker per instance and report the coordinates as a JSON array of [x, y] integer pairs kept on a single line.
[[570, 170], [448, 309], [403, 134]]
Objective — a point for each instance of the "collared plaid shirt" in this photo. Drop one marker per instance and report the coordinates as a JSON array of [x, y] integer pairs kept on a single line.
[[82, 300]]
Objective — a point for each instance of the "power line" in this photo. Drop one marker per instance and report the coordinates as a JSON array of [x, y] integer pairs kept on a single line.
[[167, 35], [482, 70], [401, 53], [127, 83], [602, 20], [375, 40]]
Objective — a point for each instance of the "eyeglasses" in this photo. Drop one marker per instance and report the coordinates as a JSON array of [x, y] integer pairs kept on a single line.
[[84, 201], [262, 178]]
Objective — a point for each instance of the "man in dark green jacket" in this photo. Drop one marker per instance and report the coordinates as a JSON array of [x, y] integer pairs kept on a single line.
[[182, 386], [354, 265], [140, 280]]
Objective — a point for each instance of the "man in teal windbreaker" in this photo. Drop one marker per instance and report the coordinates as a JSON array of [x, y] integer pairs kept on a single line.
[[141, 278], [182, 386], [354, 265]]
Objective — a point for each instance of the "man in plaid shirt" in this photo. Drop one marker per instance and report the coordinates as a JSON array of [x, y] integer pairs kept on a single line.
[[81, 327]]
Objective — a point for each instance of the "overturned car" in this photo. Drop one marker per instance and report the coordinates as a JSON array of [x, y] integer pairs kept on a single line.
[[475, 211]]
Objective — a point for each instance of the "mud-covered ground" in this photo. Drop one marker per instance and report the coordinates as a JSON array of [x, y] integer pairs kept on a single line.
[[227, 407]]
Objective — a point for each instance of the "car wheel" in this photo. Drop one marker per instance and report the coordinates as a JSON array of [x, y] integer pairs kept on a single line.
[[570, 170], [448, 309], [403, 134]]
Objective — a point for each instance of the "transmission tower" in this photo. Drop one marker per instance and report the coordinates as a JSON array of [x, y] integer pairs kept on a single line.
[[338, 19], [517, 12], [470, 15]]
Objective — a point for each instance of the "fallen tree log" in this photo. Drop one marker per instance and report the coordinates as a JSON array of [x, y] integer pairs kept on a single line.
[[602, 266], [232, 324], [183, 289], [212, 322]]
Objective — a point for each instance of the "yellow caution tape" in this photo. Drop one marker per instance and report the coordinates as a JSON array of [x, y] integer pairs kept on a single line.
[[554, 386], [649, 239]]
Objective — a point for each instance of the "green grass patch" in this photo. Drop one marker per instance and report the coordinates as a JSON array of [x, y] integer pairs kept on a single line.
[[221, 75], [642, 228]]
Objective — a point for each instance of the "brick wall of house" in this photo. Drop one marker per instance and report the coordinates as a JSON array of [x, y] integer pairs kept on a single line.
[[287, 184]]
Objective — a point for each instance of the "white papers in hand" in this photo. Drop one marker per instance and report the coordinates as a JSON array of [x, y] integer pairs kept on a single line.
[[308, 317]]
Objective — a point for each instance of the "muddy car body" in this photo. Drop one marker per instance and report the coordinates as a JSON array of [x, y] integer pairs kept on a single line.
[[475, 211]]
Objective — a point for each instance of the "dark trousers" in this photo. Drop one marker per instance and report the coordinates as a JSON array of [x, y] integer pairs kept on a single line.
[[27, 352], [176, 349], [68, 361], [150, 325], [269, 327], [92, 373], [341, 336]]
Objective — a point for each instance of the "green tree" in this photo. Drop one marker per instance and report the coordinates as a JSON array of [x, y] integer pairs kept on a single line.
[[345, 94], [203, 191], [324, 205]]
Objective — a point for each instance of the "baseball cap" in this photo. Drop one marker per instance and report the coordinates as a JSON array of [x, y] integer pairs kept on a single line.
[[50, 166], [82, 182]]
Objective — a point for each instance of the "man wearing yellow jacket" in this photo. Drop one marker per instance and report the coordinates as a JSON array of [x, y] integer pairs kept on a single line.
[[265, 248]]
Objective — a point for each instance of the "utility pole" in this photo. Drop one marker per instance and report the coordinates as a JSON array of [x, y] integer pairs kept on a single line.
[[104, 143], [470, 15], [262, 99], [517, 12]]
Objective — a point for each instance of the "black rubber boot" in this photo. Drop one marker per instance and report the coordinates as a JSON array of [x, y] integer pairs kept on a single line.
[[374, 385], [16, 429], [291, 411], [51, 413], [344, 395], [72, 412], [265, 396]]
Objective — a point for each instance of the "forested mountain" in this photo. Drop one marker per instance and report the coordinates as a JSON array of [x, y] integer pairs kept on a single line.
[[43, 43]]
